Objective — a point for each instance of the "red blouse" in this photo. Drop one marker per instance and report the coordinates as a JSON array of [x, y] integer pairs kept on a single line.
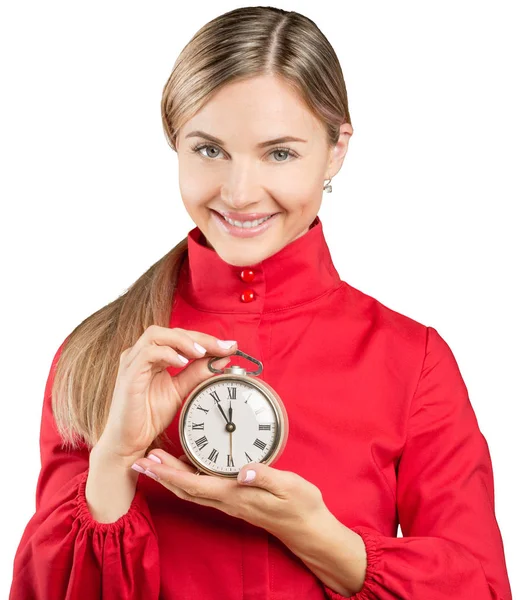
[[380, 421]]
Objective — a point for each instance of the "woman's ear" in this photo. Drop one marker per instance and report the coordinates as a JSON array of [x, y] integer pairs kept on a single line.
[[339, 151]]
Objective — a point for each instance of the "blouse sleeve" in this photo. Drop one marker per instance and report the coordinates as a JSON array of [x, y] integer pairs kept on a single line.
[[451, 545], [64, 553]]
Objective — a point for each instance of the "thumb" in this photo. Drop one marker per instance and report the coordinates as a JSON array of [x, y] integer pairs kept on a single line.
[[263, 476], [188, 378]]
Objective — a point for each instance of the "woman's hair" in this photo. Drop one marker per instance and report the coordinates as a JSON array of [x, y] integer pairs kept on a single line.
[[237, 45]]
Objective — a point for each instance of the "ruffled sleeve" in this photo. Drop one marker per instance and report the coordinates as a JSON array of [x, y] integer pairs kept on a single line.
[[451, 545], [64, 553]]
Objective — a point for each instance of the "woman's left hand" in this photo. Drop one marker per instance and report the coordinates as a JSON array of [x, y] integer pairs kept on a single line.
[[281, 502]]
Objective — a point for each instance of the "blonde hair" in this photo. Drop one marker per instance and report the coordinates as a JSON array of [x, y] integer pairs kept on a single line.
[[240, 44]]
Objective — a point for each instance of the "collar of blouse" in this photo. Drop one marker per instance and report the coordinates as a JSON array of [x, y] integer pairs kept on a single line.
[[300, 272]]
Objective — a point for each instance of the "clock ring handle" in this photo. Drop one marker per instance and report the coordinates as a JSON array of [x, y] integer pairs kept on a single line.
[[238, 353]]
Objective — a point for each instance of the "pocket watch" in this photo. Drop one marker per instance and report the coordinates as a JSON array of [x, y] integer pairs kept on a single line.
[[232, 419]]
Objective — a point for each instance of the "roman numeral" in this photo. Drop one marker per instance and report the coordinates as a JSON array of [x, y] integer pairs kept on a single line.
[[230, 462], [200, 408], [202, 442], [264, 427], [259, 410], [197, 426], [214, 455], [249, 459], [259, 444], [232, 393], [215, 396]]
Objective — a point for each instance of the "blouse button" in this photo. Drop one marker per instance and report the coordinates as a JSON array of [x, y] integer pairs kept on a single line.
[[247, 275], [247, 296]]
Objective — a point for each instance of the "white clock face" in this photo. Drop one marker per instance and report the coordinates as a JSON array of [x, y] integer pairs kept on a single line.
[[226, 444]]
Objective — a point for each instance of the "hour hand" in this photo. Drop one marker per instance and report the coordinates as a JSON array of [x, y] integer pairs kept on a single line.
[[223, 413]]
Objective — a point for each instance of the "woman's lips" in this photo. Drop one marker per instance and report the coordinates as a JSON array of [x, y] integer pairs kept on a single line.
[[242, 232]]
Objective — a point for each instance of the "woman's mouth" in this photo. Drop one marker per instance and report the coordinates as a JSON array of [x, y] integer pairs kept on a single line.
[[243, 228]]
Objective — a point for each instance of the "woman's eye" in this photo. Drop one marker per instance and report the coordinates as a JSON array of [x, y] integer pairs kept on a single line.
[[213, 152], [284, 151], [211, 148]]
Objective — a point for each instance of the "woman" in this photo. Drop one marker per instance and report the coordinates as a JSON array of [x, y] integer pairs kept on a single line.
[[382, 431]]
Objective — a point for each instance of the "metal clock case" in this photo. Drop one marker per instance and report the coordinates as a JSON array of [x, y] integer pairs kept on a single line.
[[232, 419]]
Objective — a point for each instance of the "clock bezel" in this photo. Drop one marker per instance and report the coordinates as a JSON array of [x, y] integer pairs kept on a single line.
[[282, 421]]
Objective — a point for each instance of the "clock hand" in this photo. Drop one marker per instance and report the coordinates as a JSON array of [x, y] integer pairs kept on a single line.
[[223, 413], [231, 431]]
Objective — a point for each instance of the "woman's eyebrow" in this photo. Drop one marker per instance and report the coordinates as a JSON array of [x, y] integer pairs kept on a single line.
[[212, 138]]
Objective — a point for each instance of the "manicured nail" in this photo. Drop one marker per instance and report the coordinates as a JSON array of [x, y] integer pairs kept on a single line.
[[182, 358], [154, 458], [150, 474], [226, 343], [199, 348], [137, 468], [250, 475]]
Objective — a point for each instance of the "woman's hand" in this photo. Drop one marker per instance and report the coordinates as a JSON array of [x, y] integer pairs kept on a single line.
[[281, 502], [146, 397]]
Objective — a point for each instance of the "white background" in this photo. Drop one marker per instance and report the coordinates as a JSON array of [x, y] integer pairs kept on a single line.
[[423, 215]]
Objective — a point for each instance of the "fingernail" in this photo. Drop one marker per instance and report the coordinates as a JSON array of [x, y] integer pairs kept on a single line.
[[182, 358], [199, 348], [226, 343], [155, 458], [137, 468], [150, 474], [250, 475]]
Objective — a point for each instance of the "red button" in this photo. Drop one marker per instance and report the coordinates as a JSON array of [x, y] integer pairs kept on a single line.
[[247, 296], [247, 275]]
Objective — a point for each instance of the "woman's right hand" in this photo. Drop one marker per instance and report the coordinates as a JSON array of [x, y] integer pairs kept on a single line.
[[146, 397]]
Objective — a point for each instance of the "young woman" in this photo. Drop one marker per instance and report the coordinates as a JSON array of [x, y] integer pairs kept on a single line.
[[382, 431]]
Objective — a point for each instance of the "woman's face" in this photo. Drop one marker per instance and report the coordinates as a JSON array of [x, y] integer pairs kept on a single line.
[[242, 173]]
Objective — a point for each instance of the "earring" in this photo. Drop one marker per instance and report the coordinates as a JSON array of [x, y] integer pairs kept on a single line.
[[327, 187]]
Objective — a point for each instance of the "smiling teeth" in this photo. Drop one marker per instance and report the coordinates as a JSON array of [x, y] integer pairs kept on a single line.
[[247, 224]]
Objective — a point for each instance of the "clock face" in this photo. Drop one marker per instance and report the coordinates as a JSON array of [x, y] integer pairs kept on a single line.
[[223, 442]]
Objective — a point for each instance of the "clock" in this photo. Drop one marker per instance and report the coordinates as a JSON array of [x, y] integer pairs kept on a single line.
[[232, 419]]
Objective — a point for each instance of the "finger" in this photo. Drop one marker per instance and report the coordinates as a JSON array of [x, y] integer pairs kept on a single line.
[[150, 468], [191, 344], [171, 461], [160, 457], [280, 483], [211, 488]]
